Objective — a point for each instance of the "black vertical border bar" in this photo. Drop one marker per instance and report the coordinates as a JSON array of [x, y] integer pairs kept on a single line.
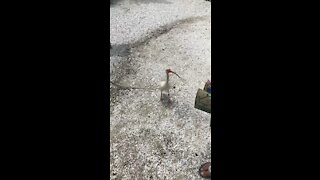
[[103, 132]]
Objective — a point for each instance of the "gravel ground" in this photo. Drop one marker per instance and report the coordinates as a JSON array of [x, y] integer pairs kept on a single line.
[[151, 139]]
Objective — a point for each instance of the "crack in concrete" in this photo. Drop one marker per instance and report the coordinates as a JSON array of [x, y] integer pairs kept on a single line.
[[166, 29]]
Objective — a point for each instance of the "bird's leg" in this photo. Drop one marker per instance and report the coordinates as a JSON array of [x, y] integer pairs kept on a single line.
[[161, 95], [169, 100]]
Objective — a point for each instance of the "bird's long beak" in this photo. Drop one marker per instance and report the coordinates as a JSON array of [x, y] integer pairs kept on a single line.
[[175, 74]]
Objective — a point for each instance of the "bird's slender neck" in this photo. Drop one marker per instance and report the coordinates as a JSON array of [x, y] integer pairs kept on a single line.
[[167, 78]]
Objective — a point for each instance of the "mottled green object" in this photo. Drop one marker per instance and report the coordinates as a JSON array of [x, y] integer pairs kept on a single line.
[[203, 101], [207, 87]]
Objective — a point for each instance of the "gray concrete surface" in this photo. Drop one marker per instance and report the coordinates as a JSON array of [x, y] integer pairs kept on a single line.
[[151, 139]]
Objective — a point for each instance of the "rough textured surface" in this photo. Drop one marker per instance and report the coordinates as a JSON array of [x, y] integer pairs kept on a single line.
[[152, 139]]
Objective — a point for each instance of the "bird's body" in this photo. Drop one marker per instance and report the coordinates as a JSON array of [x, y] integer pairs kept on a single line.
[[165, 85]]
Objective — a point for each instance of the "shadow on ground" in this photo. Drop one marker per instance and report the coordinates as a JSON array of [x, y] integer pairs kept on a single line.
[[121, 50], [168, 102], [115, 2]]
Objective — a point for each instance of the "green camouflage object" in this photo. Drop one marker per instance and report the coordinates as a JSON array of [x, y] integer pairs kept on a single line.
[[203, 101]]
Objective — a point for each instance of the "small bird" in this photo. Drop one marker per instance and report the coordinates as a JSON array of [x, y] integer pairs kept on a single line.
[[165, 85]]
